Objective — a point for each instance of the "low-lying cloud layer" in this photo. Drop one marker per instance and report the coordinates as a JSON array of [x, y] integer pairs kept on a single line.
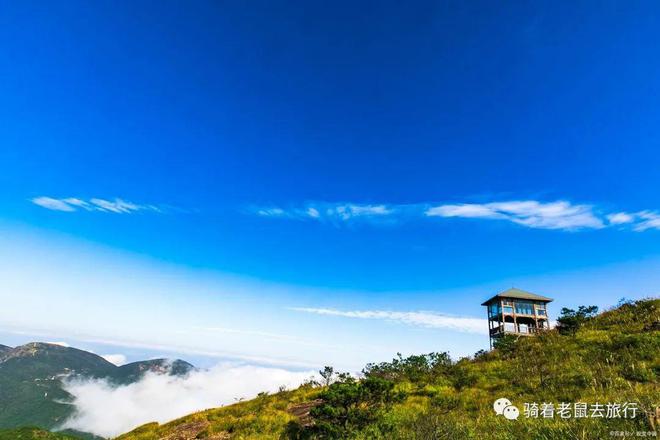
[[559, 215], [72, 204], [107, 410], [422, 319]]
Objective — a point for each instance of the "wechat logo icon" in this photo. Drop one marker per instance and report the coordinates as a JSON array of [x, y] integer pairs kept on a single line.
[[504, 407]]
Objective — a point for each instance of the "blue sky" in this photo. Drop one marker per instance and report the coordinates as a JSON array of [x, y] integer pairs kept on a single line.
[[250, 168]]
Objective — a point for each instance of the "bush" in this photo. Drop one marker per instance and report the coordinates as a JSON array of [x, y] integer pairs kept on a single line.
[[349, 406]]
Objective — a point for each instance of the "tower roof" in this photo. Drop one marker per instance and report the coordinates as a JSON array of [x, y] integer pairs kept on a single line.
[[518, 294]]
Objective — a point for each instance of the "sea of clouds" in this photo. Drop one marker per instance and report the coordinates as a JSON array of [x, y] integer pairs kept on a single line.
[[107, 410]]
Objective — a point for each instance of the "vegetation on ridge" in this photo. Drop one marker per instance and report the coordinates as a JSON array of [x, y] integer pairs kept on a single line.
[[612, 357], [33, 434]]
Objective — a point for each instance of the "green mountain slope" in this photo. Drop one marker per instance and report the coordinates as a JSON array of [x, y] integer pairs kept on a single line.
[[4, 348], [32, 434], [31, 382], [614, 357], [31, 375]]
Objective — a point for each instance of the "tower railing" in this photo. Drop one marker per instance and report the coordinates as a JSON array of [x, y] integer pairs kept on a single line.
[[521, 329]]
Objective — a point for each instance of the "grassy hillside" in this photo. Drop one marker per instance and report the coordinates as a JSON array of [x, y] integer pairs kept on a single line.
[[614, 357]]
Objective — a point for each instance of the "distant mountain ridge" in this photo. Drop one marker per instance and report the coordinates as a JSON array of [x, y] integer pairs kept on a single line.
[[132, 372], [31, 391]]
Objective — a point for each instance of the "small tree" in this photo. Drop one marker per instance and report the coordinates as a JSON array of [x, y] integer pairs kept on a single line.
[[480, 355], [570, 321], [327, 375]]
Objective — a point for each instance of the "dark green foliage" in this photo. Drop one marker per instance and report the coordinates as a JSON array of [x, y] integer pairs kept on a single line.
[[415, 369], [570, 321], [462, 375], [480, 355], [505, 344], [349, 406]]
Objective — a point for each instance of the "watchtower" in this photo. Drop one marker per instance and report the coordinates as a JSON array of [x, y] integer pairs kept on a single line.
[[516, 312]]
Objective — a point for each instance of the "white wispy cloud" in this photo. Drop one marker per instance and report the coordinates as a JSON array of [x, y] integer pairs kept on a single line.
[[647, 220], [464, 210], [53, 204], [421, 319], [620, 218], [639, 221], [530, 213], [330, 212], [71, 204], [271, 212], [558, 215]]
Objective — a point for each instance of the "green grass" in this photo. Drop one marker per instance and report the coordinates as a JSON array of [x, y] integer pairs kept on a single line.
[[264, 417]]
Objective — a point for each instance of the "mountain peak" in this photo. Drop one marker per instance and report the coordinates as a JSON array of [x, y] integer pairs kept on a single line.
[[133, 371], [53, 353]]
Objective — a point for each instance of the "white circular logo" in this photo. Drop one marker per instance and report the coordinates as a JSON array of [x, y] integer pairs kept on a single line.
[[511, 412], [500, 404]]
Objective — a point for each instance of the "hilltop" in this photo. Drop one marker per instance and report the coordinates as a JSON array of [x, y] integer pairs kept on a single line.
[[132, 372], [31, 375], [612, 357]]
